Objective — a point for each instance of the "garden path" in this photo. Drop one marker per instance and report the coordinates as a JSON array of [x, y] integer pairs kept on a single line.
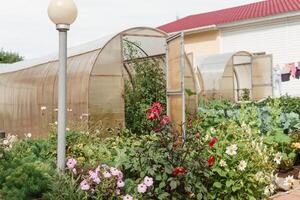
[[290, 195]]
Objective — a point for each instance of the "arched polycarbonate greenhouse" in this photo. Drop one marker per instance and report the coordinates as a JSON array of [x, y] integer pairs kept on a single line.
[[96, 75], [231, 75]]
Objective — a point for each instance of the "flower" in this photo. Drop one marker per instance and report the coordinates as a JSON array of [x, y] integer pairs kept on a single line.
[[296, 145], [69, 109], [84, 185], [212, 142], [43, 108], [148, 181], [74, 171], [197, 136], [231, 150], [71, 163], [278, 158], [120, 184], [94, 177], [157, 106], [242, 166], [289, 181], [156, 129], [127, 197], [114, 171], [207, 137], [165, 120], [178, 170], [120, 175], [153, 114], [210, 161], [67, 129], [106, 174], [222, 163], [84, 115], [28, 135], [142, 188], [259, 176], [270, 189]]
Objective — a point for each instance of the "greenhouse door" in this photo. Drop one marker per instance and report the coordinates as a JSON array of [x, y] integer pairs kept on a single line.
[[262, 77]]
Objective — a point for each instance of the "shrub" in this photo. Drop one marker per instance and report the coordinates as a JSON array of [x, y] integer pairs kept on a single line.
[[177, 166], [147, 85]]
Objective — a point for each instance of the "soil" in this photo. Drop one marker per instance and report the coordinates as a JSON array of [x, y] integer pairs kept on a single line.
[[293, 172]]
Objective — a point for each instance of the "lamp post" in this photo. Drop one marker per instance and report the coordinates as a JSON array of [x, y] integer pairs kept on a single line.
[[62, 13]]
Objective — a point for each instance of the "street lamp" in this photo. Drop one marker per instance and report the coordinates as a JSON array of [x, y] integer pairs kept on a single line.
[[62, 13]]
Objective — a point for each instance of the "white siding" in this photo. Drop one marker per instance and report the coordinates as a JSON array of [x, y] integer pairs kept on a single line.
[[281, 39]]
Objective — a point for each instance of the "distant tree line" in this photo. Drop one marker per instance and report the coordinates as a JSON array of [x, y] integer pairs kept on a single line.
[[9, 57]]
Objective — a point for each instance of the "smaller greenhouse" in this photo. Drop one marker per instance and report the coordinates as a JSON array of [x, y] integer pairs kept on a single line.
[[236, 76]]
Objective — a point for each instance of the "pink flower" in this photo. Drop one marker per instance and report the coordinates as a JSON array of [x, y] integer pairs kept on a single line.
[[120, 175], [114, 171], [106, 174], [71, 163], [148, 181], [153, 114], [120, 184], [165, 120], [84, 185], [118, 191], [127, 197], [142, 188], [94, 176]]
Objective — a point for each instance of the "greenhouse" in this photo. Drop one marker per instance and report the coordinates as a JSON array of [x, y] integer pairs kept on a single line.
[[236, 75], [96, 74]]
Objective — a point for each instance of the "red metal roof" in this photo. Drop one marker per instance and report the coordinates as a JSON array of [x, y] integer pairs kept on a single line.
[[244, 12]]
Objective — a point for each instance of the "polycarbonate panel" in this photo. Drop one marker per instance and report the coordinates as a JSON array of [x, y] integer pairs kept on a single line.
[[106, 101], [174, 65], [262, 77], [24, 92], [145, 31]]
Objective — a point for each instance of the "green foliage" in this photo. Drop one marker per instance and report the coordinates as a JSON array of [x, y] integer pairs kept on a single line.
[[9, 57], [147, 85], [26, 169], [161, 156]]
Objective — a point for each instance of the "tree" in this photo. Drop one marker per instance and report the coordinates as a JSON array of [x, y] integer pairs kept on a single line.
[[9, 57]]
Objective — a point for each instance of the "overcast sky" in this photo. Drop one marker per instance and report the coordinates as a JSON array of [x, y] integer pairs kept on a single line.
[[26, 29]]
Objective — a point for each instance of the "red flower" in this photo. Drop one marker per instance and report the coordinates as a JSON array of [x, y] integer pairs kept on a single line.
[[212, 142], [179, 170], [157, 106], [197, 136], [210, 161], [165, 120], [153, 114], [156, 130]]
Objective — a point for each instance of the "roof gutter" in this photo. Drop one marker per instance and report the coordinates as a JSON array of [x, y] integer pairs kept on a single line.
[[197, 30]]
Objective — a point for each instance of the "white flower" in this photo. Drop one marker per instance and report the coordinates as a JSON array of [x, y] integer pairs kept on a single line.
[[43, 108], [242, 165], [259, 176], [67, 129], [278, 158], [231, 150], [69, 110], [5, 142], [55, 109], [222, 163], [207, 137], [28, 135], [55, 122], [120, 184], [289, 181], [142, 188], [127, 197], [148, 181]]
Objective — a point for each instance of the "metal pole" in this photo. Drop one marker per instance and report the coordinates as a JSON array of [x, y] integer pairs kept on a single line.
[[62, 97]]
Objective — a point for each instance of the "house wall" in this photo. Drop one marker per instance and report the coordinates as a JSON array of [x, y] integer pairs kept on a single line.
[[279, 38], [202, 44]]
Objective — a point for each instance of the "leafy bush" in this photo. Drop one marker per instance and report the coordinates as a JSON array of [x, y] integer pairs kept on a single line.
[[26, 168]]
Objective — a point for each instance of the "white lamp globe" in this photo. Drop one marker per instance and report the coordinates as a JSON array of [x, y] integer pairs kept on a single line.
[[62, 12]]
